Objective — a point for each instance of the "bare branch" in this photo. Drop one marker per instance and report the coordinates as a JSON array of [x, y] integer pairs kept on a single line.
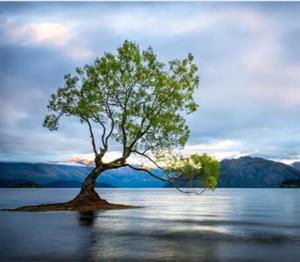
[[103, 134], [150, 159], [98, 120], [142, 132], [110, 132], [124, 118], [147, 149], [110, 115], [166, 180], [139, 136], [124, 133], [149, 173], [91, 135]]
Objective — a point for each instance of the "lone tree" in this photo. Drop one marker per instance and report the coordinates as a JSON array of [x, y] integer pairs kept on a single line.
[[135, 100]]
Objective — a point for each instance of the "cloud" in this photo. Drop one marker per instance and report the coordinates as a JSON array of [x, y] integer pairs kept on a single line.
[[157, 24], [180, 20], [246, 53], [61, 36], [220, 149], [46, 33]]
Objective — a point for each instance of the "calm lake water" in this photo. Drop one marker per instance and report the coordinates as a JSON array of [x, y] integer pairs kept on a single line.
[[224, 225]]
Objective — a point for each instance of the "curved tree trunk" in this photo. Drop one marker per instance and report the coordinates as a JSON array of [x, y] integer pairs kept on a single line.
[[86, 200], [88, 194]]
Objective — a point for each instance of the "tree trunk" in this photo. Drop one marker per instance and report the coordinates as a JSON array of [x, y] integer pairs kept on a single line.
[[86, 200], [88, 194]]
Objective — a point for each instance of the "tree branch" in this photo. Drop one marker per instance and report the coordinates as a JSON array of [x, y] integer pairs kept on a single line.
[[103, 135], [139, 136], [142, 132], [150, 159], [110, 115], [110, 132], [149, 173], [92, 136], [166, 180], [97, 119], [124, 118]]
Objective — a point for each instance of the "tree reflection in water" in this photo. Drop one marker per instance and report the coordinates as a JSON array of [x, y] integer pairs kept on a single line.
[[87, 218]]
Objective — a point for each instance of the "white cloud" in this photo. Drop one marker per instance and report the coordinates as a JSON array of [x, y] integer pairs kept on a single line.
[[49, 33], [263, 75], [247, 84], [61, 36], [220, 149]]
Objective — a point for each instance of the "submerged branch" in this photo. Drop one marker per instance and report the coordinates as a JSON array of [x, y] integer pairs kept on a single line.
[[191, 192]]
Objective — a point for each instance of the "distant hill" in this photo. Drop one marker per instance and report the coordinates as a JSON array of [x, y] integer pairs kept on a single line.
[[126, 177], [20, 183], [255, 172], [242, 172], [296, 165], [53, 175], [42, 173], [252, 172], [72, 184]]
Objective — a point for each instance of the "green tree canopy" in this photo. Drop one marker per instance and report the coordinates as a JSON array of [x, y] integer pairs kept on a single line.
[[133, 99]]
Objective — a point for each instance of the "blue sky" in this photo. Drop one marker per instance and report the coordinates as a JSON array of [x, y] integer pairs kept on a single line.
[[249, 65]]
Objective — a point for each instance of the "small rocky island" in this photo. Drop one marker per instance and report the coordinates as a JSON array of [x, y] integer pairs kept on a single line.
[[292, 183], [27, 184]]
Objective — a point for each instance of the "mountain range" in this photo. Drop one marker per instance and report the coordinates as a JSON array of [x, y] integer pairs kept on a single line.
[[255, 172], [296, 165], [60, 175], [242, 172]]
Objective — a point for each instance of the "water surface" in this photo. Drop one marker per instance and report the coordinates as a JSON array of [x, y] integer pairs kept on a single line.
[[224, 225]]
